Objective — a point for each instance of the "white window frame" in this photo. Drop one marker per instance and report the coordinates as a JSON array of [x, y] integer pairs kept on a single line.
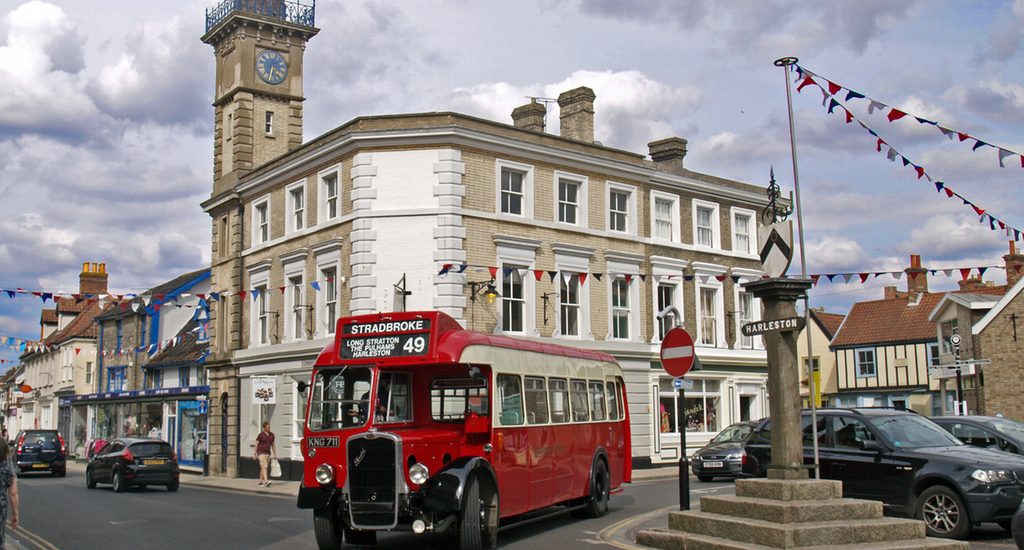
[[754, 315], [582, 183], [673, 216], [268, 122], [614, 281], [574, 259], [517, 251], [499, 166], [566, 278], [259, 278], [857, 362], [716, 225], [293, 270], [675, 287], [323, 208], [618, 264], [734, 214], [259, 224], [329, 257], [297, 213], [630, 191], [666, 270], [719, 314]]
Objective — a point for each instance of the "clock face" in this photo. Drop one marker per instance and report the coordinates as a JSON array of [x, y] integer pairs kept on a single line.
[[271, 66]]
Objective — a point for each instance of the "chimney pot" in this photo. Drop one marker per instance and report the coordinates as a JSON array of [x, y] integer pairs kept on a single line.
[[576, 114], [531, 116], [668, 153], [92, 280]]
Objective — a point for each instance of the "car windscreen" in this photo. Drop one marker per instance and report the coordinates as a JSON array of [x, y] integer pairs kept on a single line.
[[1009, 428], [154, 448], [907, 431], [733, 434]]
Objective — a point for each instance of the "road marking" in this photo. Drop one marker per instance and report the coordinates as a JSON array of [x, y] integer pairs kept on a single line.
[[608, 533], [34, 539]]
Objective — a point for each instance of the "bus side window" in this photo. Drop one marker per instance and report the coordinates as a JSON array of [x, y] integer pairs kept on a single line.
[[613, 401], [578, 393], [558, 391], [510, 400], [536, 401], [597, 400]]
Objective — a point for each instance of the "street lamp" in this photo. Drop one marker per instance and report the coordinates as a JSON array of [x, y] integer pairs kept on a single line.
[[486, 288]]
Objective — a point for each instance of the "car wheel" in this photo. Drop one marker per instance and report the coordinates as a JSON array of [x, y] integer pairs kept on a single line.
[[118, 482], [943, 513], [90, 482], [327, 528], [705, 479], [171, 487]]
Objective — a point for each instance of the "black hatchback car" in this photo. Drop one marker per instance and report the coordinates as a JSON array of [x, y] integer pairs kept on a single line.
[[909, 463], [134, 462], [40, 451], [723, 456], [987, 432]]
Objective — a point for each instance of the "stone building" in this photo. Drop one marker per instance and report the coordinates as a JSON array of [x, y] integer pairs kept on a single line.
[[583, 244]]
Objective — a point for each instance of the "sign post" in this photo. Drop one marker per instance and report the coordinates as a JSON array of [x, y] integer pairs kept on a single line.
[[961, 404], [677, 358]]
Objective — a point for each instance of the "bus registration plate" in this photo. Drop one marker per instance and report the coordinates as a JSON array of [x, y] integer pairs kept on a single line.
[[323, 441]]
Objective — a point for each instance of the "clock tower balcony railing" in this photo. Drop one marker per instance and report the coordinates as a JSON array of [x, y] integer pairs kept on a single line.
[[289, 11]]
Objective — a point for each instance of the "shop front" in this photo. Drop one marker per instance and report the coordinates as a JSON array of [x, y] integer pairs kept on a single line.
[[176, 415]]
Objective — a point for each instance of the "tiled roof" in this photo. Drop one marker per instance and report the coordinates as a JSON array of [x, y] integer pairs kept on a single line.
[[48, 317], [828, 322], [888, 321], [188, 351], [82, 326]]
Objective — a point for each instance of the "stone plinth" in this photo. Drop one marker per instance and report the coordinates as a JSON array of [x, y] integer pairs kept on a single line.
[[783, 514]]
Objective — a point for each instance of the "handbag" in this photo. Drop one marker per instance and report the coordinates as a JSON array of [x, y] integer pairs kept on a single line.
[[275, 468]]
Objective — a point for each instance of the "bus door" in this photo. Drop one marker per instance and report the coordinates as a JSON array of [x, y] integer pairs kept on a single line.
[[563, 434], [511, 450], [617, 446]]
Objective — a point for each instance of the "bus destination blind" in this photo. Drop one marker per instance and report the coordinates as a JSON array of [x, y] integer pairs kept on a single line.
[[385, 339]]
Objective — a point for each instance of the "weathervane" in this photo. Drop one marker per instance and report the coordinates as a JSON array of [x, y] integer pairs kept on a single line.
[[774, 213]]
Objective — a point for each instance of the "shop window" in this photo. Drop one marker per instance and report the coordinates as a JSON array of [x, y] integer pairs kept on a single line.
[[697, 411]]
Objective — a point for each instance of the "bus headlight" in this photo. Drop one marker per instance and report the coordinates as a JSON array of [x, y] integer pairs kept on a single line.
[[418, 473], [324, 473]]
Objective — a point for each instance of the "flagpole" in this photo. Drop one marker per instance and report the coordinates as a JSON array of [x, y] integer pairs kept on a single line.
[[785, 63]]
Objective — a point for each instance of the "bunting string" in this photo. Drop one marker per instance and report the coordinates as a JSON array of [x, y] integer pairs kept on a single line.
[[832, 103], [831, 88]]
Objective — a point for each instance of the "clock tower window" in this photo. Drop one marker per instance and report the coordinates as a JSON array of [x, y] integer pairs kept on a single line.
[[268, 122]]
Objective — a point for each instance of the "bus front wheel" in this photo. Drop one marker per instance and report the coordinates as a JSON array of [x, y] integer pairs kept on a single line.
[[470, 536], [327, 528]]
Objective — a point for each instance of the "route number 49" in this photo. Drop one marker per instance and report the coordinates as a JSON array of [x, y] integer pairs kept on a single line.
[[415, 345]]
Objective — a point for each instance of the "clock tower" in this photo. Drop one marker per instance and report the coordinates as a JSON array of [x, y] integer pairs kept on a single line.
[[258, 96]]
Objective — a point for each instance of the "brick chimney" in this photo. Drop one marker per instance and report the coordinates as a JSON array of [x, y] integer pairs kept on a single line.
[[1014, 265], [93, 279], [668, 153], [971, 283], [891, 292], [530, 116], [917, 276], [576, 113]]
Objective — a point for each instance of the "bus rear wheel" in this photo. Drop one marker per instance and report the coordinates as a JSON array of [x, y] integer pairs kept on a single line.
[[327, 528], [600, 490]]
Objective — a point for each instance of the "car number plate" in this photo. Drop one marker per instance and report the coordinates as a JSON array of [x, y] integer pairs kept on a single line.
[[152, 462], [716, 464], [40, 465]]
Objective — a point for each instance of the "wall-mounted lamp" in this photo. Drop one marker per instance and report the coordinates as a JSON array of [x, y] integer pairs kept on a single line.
[[483, 287]]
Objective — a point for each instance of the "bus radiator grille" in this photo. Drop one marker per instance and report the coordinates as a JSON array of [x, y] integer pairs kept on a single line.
[[372, 482]]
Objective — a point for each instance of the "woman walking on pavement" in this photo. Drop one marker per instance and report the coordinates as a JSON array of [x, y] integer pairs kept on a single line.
[[8, 494], [264, 446]]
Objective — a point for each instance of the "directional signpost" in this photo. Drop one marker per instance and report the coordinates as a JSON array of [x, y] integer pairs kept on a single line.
[[677, 359]]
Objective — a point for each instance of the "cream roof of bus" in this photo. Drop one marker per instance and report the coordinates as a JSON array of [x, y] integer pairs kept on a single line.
[[531, 363]]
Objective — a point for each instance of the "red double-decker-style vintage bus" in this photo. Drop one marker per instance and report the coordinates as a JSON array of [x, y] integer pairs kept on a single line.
[[415, 423]]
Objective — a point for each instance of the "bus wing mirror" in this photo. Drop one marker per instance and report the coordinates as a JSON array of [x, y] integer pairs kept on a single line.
[[302, 386]]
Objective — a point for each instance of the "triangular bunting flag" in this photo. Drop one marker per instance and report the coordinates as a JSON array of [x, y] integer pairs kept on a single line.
[[979, 144], [949, 192], [863, 276], [598, 276], [833, 88], [847, 277], [948, 272], [938, 186], [832, 105], [875, 105], [982, 270], [814, 279], [962, 136], [850, 94], [629, 278], [947, 132], [1003, 153], [807, 82], [583, 278], [895, 114], [493, 271], [537, 274], [965, 272], [552, 275]]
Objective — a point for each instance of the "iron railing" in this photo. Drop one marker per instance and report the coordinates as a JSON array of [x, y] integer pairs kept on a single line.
[[286, 10]]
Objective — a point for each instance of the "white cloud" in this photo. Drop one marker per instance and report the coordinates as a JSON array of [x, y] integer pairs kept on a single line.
[[949, 237]]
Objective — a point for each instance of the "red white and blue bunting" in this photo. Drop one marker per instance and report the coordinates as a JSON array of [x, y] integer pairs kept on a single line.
[[830, 91]]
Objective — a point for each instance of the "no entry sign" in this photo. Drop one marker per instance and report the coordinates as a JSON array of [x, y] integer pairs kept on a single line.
[[677, 352]]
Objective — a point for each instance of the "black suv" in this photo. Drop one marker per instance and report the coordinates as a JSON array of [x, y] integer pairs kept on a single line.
[[40, 451], [909, 463]]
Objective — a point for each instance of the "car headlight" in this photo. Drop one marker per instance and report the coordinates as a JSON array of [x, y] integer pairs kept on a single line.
[[992, 476], [735, 455], [324, 473], [418, 473]]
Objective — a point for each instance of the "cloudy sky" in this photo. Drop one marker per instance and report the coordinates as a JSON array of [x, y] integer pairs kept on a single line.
[[106, 124]]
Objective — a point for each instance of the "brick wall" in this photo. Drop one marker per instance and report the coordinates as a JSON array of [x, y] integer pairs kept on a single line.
[[1004, 378]]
